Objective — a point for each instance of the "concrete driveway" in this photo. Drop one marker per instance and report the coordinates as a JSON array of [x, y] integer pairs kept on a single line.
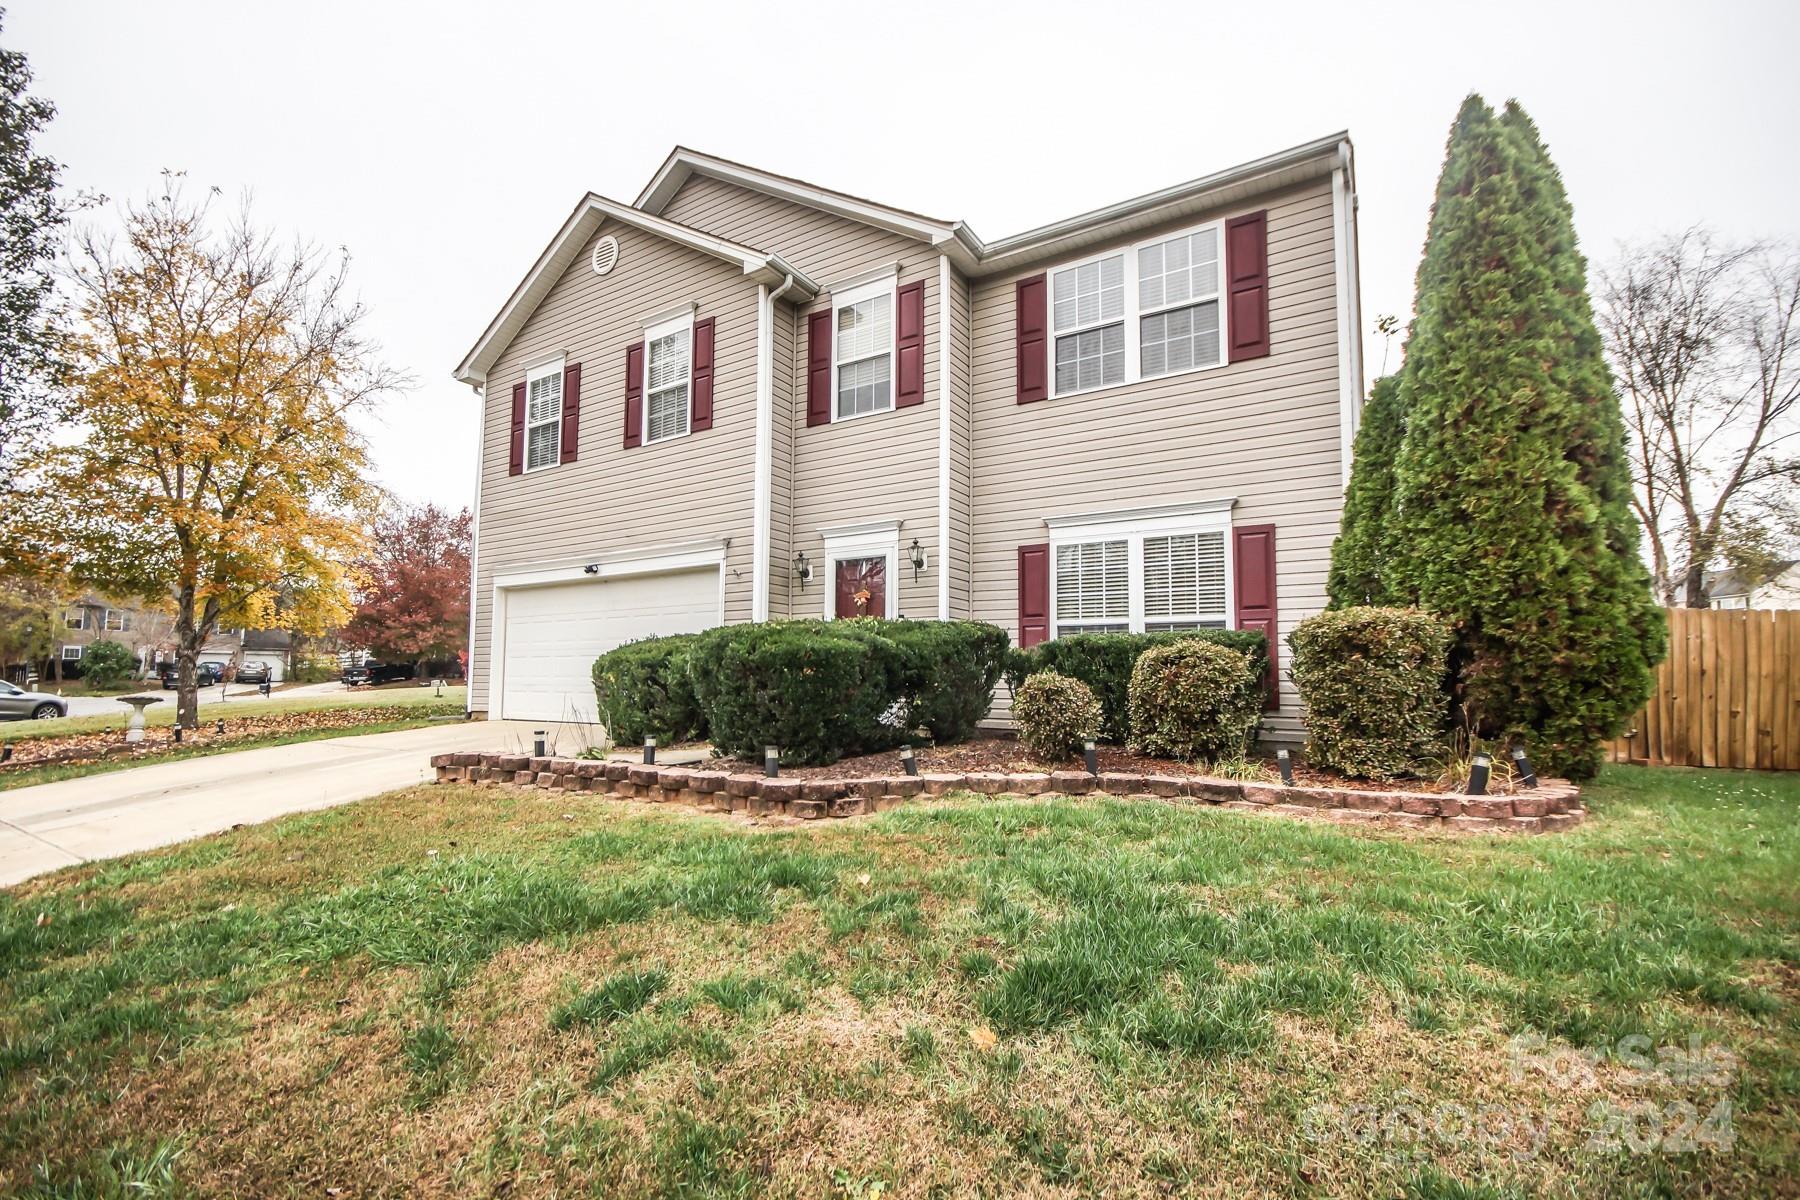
[[76, 820]]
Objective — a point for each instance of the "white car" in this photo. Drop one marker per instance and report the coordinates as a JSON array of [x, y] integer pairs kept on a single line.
[[19, 705]]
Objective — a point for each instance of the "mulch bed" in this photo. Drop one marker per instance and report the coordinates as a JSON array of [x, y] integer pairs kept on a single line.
[[111, 743], [1008, 756]]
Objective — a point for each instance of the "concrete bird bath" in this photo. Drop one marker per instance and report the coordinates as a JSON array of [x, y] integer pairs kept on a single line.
[[134, 731]]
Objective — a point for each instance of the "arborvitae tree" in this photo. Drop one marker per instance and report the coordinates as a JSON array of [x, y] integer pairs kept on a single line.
[[1509, 496], [1360, 552]]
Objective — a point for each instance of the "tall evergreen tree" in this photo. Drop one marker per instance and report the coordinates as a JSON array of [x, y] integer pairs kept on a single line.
[[1510, 496], [1359, 555]]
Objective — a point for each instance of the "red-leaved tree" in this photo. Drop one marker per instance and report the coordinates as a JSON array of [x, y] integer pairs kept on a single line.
[[415, 591]]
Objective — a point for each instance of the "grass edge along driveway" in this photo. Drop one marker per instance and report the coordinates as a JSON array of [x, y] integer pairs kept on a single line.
[[466, 990]]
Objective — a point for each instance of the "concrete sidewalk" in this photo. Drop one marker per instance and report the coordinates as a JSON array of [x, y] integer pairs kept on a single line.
[[76, 820]]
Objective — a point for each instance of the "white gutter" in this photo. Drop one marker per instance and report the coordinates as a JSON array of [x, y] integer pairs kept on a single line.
[[943, 398], [480, 391]]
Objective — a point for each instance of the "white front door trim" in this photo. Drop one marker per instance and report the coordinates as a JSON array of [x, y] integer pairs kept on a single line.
[[862, 539]]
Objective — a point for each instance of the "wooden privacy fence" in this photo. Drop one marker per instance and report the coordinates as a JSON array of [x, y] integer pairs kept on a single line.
[[1726, 696]]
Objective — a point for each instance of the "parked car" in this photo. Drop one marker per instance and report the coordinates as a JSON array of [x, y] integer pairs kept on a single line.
[[354, 676], [17, 704], [254, 672], [375, 672], [205, 674]]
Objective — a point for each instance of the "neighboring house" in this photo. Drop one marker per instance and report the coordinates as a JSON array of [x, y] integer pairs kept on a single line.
[[746, 397], [1778, 588], [94, 619], [240, 646]]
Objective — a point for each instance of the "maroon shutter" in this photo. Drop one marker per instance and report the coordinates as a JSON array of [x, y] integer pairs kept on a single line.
[[1034, 594], [1253, 549], [1031, 320], [818, 368], [1247, 270], [571, 421], [909, 346], [634, 395], [700, 414], [515, 462]]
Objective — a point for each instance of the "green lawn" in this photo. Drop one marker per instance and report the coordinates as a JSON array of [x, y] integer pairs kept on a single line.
[[454, 990], [164, 714]]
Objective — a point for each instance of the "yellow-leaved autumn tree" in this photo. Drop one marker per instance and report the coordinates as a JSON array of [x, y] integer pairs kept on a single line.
[[214, 374]]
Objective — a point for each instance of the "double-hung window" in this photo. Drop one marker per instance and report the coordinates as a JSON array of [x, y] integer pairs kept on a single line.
[[863, 355], [1087, 307], [1149, 310], [117, 620], [1178, 303], [543, 415], [1142, 573], [75, 618], [667, 377]]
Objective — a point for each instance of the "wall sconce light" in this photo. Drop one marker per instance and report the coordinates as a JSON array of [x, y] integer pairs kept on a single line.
[[915, 554], [802, 569]]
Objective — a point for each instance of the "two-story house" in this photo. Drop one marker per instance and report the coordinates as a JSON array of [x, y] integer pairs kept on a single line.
[[744, 397]]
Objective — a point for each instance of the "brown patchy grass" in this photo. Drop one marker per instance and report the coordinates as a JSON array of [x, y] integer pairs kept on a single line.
[[877, 1007]]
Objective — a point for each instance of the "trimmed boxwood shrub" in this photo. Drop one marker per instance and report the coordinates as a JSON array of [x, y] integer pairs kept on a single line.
[[819, 690], [1104, 661], [1056, 714], [643, 690], [1372, 680], [951, 670], [1193, 698]]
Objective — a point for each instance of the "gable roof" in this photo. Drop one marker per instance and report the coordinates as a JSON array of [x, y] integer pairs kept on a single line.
[[975, 257], [589, 214], [1731, 581]]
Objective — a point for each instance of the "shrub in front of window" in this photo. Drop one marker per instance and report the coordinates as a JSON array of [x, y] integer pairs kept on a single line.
[[643, 690], [951, 670], [1104, 661], [107, 664], [1372, 680], [819, 690], [1055, 714], [1194, 699]]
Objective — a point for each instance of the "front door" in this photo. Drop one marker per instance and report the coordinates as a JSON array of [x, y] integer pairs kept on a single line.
[[862, 587]]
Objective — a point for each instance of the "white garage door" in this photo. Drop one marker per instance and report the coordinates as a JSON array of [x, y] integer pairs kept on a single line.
[[554, 633]]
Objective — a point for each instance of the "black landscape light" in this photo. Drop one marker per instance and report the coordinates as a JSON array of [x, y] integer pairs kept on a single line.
[[537, 745], [771, 761], [1478, 775], [220, 727], [1526, 775], [6, 753], [908, 762], [1091, 756], [1285, 760], [649, 749]]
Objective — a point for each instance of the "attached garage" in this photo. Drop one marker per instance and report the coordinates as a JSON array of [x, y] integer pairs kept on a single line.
[[548, 634]]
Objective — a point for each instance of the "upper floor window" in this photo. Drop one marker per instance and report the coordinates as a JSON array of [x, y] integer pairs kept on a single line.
[[864, 356], [1168, 287], [117, 620], [543, 415], [667, 376], [75, 618]]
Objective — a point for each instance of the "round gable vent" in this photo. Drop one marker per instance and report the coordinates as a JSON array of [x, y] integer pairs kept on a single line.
[[606, 255]]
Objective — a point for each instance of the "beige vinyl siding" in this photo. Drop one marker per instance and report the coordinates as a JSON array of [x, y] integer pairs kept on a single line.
[[879, 467], [613, 499], [1265, 431]]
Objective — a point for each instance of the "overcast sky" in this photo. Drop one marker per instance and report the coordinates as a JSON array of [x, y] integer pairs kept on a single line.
[[444, 143]]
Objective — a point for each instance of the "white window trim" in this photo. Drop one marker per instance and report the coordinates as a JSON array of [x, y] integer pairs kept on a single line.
[[1134, 312], [80, 618], [683, 319], [543, 370], [75, 657], [886, 282], [868, 539], [1132, 526], [106, 623]]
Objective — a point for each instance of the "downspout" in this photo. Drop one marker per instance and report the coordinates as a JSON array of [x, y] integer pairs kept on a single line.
[[480, 391], [1348, 333], [943, 397]]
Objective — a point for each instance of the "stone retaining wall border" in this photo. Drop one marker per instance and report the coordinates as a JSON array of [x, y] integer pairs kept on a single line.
[[1554, 804]]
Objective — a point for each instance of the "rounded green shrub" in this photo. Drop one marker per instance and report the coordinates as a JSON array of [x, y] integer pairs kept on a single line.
[[819, 690], [1194, 699], [1056, 715], [1372, 680], [1105, 661], [951, 670], [643, 690], [107, 663]]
